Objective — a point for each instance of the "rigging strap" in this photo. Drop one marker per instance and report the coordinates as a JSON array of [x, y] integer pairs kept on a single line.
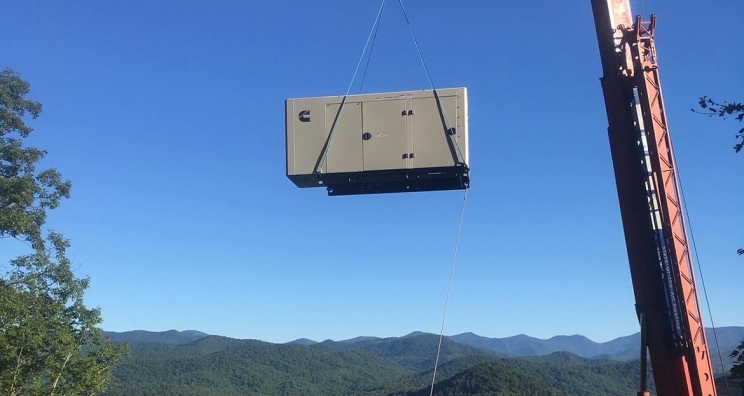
[[450, 133], [324, 153], [451, 137]]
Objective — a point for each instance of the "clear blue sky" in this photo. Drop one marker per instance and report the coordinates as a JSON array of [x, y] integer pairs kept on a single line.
[[168, 117]]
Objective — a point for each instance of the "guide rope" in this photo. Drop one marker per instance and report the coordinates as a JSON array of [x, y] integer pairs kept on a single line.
[[449, 288]]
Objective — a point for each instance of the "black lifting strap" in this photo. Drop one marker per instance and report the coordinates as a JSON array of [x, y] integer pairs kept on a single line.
[[450, 134], [324, 152]]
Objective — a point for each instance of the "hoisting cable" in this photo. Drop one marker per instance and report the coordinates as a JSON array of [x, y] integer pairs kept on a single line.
[[415, 43], [449, 288], [369, 57], [431, 85], [324, 152], [702, 279], [683, 201]]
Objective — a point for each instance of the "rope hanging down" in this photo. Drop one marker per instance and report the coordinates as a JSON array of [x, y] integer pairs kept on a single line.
[[449, 288], [324, 154]]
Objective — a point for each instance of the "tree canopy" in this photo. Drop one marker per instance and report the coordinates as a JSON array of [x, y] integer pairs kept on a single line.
[[25, 193], [713, 108], [738, 354], [49, 340]]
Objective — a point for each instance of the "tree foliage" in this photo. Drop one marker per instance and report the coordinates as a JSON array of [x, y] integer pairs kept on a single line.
[[49, 340], [712, 109], [221, 366], [25, 193], [738, 355], [494, 378]]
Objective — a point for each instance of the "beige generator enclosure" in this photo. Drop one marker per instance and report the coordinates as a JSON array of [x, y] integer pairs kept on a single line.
[[379, 143]]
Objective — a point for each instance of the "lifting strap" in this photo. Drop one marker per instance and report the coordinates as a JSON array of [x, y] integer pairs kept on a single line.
[[324, 152], [449, 132]]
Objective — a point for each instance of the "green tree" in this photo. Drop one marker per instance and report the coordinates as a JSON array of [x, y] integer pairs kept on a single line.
[[49, 341], [25, 194], [738, 369]]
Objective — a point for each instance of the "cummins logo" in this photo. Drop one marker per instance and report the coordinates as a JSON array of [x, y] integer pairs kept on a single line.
[[304, 116]]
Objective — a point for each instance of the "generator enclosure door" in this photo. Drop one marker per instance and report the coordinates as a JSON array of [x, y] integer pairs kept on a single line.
[[377, 143]]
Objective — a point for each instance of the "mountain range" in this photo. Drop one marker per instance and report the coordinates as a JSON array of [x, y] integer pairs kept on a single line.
[[194, 363], [622, 348]]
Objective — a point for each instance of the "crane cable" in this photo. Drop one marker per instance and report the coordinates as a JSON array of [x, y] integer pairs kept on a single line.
[[683, 202], [372, 37], [324, 153], [700, 271], [694, 248], [366, 44], [643, 10], [375, 29], [428, 77], [449, 288]]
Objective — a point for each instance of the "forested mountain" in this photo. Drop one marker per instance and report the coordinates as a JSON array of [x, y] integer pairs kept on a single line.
[[303, 341], [416, 352], [216, 365], [494, 378], [623, 348], [164, 337], [223, 366], [561, 373]]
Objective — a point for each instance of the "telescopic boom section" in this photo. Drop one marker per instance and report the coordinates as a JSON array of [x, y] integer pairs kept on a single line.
[[650, 205]]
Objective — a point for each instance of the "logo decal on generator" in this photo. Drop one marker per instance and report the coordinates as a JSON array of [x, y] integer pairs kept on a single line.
[[304, 116]]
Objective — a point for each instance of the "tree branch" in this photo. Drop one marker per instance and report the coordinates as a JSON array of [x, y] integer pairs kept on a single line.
[[56, 380], [15, 372]]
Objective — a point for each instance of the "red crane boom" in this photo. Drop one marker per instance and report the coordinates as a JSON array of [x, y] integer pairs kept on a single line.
[[650, 204]]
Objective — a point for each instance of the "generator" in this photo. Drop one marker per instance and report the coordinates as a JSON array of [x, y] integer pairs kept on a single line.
[[379, 142]]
